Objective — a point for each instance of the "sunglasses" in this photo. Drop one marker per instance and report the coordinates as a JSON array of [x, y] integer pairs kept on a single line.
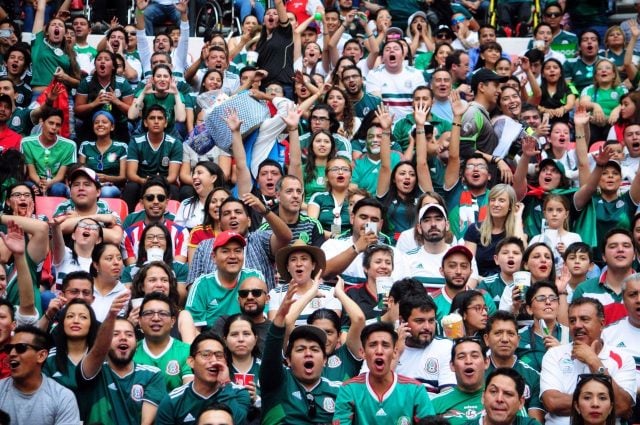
[[442, 36], [20, 347], [601, 377], [552, 15], [468, 339], [244, 293], [151, 198]]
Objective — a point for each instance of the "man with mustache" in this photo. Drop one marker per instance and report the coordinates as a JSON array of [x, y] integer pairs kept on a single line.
[[562, 364], [424, 357]]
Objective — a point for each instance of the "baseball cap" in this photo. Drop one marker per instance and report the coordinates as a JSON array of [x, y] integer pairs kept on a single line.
[[394, 33], [553, 162], [484, 75], [415, 15], [447, 29], [227, 236], [458, 249], [88, 172], [427, 207], [6, 99]]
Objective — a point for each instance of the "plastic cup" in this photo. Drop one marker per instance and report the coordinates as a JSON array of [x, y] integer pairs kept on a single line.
[[453, 326], [252, 58], [522, 280], [136, 302], [383, 286]]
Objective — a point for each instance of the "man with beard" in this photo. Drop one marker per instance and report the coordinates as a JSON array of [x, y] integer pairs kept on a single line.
[[394, 81], [456, 270], [118, 391], [503, 398], [380, 395], [290, 195], [423, 357], [9, 139], [477, 135], [464, 401], [210, 385], [298, 394], [501, 337], [562, 365], [362, 102], [253, 296]]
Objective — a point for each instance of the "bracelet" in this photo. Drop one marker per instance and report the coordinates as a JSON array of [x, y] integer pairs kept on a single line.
[[420, 131], [563, 293], [292, 129], [457, 124], [48, 317], [353, 246], [579, 136], [386, 133], [370, 35]]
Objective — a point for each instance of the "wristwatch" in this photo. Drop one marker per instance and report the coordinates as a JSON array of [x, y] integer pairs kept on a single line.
[[601, 370]]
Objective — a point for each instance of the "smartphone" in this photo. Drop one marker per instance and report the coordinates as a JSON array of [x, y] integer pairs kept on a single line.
[[371, 227], [5, 33]]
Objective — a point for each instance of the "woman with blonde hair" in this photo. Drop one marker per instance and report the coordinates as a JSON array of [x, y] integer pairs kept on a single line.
[[504, 220]]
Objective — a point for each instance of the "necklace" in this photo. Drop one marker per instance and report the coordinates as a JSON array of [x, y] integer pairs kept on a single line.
[[56, 50]]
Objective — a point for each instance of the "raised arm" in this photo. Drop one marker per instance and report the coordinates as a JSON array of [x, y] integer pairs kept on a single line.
[[14, 240], [583, 196], [244, 182], [529, 150], [281, 233], [38, 231], [581, 121], [535, 87], [629, 67], [283, 18], [295, 152], [384, 175], [357, 317], [452, 172], [92, 362], [420, 114], [38, 19]]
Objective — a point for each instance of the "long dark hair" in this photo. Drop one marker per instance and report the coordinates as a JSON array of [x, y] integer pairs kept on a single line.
[[142, 251], [213, 169], [576, 417], [310, 164], [393, 194], [74, 253], [137, 285], [208, 219], [527, 254], [60, 338], [348, 114], [7, 194], [94, 84], [562, 88], [226, 328], [74, 69]]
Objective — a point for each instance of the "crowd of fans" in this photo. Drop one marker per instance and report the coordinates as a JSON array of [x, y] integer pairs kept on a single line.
[[419, 228]]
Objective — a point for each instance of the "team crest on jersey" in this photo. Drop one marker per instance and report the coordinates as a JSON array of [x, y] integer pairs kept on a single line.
[[403, 420], [334, 361], [471, 413], [432, 365], [527, 392], [165, 161], [19, 98], [15, 121], [112, 157], [137, 392], [173, 368], [329, 405]]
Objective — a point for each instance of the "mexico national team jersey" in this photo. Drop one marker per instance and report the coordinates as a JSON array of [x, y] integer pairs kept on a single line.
[[183, 405], [518, 420], [111, 400], [341, 365], [284, 399], [208, 299], [458, 407], [624, 336], [494, 285], [172, 362], [597, 288], [429, 365], [405, 402], [396, 89], [12, 291], [152, 161], [464, 208]]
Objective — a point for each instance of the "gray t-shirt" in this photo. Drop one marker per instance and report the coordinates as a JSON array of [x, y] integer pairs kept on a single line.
[[51, 404]]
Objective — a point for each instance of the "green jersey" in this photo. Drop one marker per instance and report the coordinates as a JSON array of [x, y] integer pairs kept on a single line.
[[518, 420], [107, 162], [183, 405], [65, 378], [48, 160], [168, 103], [12, 291], [343, 146], [402, 129], [330, 213], [111, 400], [579, 73], [465, 208], [494, 285], [85, 56], [208, 299], [172, 362], [532, 383], [365, 171], [608, 99], [366, 104], [406, 401], [458, 407], [48, 58], [154, 161], [68, 206], [313, 185], [531, 347], [20, 121], [341, 365], [284, 399]]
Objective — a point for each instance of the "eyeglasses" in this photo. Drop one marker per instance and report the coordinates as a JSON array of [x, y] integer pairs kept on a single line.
[[17, 195], [244, 293], [597, 376], [311, 401], [163, 314], [207, 354], [75, 292], [545, 298], [132, 33], [339, 169], [152, 197], [88, 226], [159, 238], [478, 308], [552, 14], [442, 36], [20, 347], [476, 167], [317, 118]]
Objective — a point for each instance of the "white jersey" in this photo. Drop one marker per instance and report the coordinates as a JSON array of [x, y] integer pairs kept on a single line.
[[429, 365], [396, 90], [617, 333]]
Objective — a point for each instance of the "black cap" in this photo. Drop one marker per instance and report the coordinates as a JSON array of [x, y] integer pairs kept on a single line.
[[6, 99], [308, 332], [484, 75]]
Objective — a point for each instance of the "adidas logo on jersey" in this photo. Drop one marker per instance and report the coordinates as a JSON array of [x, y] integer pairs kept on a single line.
[[381, 412], [297, 395], [112, 386], [189, 418], [214, 303], [621, 344]]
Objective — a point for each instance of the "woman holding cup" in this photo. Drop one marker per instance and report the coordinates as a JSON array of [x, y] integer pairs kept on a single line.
[[471, 306], [243, 356]]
